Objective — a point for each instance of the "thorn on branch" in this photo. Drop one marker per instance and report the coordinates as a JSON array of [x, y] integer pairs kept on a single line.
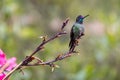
[[58, 57], [21, 71], [56, 66], [44, 38], [40, 48], [38, 60], [53, 68]]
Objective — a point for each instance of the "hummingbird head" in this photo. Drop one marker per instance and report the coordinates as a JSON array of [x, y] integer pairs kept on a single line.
[[80, 18]]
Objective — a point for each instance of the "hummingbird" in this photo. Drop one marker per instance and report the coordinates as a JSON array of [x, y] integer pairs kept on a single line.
[[77, 31]]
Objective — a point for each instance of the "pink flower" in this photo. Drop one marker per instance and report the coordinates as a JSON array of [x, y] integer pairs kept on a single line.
[[6, 65], [2, 58], [2, 76]]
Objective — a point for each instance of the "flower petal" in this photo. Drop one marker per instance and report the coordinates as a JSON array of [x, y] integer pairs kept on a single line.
[[2, 58], [2, 75], [12, 62]]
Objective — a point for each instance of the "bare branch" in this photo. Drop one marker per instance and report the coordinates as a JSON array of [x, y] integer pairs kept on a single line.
[[29, 58], [51, 62]]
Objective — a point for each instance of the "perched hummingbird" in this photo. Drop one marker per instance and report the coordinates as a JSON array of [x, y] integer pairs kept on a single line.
[[77, 32]]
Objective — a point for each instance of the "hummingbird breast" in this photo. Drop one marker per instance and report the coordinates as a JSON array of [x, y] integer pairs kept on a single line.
[[78, 29]]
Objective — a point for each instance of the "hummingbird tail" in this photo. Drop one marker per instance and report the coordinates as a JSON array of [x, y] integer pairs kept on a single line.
[[71, 45]]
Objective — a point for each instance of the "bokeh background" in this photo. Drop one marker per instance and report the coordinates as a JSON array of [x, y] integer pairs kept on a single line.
[[22, 22]]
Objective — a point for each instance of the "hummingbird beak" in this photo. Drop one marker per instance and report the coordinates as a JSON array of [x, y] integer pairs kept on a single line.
[[85, 16]]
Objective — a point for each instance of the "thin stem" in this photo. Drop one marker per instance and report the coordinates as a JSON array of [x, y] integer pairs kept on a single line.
[[39, 48]]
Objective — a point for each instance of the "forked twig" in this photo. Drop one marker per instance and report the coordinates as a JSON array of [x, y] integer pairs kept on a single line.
[[30, 58]]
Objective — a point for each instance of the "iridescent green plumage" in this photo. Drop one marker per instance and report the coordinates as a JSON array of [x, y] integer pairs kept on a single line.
[[76, 32]]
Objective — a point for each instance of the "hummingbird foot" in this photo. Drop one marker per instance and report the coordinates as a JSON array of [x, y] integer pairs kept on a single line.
[[77, 42], [82, 34]]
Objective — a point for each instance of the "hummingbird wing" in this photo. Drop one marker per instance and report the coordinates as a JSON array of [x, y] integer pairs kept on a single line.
[[72, 33], [72, 39]]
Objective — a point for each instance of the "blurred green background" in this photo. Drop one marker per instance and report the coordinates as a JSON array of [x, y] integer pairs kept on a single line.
[[22, 22]]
